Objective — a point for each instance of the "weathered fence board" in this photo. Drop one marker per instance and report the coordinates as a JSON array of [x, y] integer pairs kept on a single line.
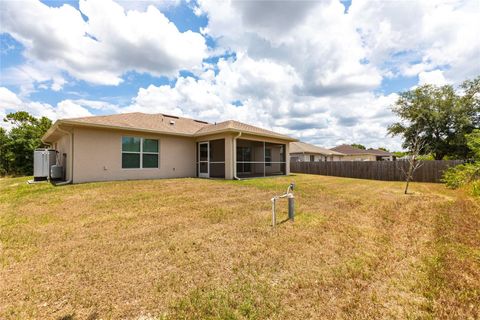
[[430, 171]]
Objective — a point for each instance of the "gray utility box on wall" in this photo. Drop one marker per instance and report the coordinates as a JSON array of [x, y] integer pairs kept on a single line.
[[43, 159]]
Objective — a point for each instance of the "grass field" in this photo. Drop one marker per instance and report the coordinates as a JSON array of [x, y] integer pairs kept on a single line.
[[204, 249]]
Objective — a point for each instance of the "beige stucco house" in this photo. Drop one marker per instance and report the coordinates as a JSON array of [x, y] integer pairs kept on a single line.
[[151, 146], [356, 154], [306, 152]]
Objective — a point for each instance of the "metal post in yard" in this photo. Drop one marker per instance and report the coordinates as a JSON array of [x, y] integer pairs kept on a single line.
[[291, 207]]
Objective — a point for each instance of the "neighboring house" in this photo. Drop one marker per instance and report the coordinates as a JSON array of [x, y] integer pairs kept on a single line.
[[305, 152], [150, 146], [355, 154]]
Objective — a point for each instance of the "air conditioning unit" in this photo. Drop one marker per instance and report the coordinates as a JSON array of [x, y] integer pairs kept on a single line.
[[43, 159], [56, 172]]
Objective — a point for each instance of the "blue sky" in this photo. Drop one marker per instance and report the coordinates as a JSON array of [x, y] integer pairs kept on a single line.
[[299, 68]]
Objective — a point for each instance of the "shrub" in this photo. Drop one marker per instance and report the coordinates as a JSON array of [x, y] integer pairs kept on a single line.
[[468, 173], [461, 175]]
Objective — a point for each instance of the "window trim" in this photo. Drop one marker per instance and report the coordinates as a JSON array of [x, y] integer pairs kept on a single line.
[[140, 153]]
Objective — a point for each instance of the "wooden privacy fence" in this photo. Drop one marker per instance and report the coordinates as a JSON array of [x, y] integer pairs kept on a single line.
[[430, 171]]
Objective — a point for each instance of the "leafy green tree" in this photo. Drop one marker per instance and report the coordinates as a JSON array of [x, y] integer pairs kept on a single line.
[[441, 116], [4, 154], [23, 139], [468, 173], [358, 146], [383, 149]]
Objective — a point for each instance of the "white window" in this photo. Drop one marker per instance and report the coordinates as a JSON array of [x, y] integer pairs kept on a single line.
[[139, 153]]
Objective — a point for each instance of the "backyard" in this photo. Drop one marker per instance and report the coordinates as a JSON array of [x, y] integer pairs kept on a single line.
[[204, 249]]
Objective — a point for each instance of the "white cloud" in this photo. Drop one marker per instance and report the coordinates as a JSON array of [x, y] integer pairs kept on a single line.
[[316, 39], [101, 49], [69, 109], [434, 77], [267, 96], [419, 36], [141, 5], [10, 102], [8, 99], [302, 68]]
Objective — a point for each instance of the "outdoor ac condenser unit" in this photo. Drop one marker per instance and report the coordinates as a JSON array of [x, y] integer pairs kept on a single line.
[[43, 159], [56, 172]]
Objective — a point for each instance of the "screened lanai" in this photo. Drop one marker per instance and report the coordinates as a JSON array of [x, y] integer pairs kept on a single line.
[[211, 159], [260, 159]]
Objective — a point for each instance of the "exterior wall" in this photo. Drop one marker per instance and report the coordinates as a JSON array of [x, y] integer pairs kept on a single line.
[[229, 157], [305, 157], [98, 156], [360, 157], [62, 145]]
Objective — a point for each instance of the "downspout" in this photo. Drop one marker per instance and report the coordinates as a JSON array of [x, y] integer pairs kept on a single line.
[[235, 156], [70, 158]]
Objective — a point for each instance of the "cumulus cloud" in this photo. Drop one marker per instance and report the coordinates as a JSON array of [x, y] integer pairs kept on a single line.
[[421, 36], [434, 77], [304, 68], [108, 43], [232, 94], [10, 102], [316, 39]]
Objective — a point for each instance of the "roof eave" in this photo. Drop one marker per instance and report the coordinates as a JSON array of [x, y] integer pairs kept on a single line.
[[228, 130]]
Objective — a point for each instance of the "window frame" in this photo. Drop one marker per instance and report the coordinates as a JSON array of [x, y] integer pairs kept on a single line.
[[141, 152]]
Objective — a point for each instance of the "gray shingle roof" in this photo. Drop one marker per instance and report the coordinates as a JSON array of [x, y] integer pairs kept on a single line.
[[167, 124]]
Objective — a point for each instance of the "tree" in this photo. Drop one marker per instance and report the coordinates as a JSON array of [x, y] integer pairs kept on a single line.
[[468, 173], [4, 154], [412, 160], [23, 139], [358, 146], [383, 149], [441, 115]]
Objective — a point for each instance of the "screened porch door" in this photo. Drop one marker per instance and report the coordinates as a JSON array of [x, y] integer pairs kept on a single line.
[[203, 165]]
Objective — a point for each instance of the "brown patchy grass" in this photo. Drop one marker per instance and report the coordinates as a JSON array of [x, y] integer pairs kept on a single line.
[[204, 249]]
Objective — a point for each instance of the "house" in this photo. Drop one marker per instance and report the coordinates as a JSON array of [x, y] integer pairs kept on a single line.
[[305, 152], [356, 154], [150, 146]]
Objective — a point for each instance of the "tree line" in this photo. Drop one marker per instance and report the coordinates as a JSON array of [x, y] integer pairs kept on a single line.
[[17, 144]]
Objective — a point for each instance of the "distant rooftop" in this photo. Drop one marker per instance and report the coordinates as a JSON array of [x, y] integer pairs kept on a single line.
[[302, 147], [349, 150]]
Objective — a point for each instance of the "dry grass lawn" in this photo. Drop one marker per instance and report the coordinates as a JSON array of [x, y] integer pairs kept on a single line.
[[204, 249]]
